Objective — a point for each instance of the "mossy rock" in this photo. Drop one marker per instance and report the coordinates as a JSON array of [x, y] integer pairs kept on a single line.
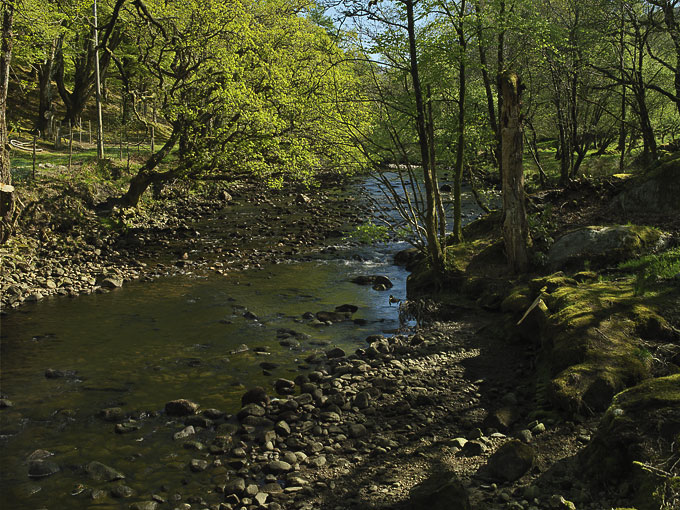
[[518, 301], [639, 428], [656, 191], [602, 246], [549, 284], [650, 325], [488, 226], [591, 344]]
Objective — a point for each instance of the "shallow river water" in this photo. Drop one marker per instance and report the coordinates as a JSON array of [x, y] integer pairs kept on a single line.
[[147, 343]]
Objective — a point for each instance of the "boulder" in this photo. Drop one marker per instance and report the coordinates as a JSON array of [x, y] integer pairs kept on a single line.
[[510, 461], [604, 246], [657, 191], [41, 468], [101, 472], [440, 491], [502, 419], [373, 280], [181, 407], [639, 428], [346, 308], [284, 387], [335, 353], [111, 283], [332, 316]]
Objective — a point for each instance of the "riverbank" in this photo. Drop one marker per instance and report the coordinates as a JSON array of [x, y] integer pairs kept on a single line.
[[360, 431], [63, 248]]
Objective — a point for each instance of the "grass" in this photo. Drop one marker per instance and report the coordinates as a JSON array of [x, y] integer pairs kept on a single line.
[[651, 268]]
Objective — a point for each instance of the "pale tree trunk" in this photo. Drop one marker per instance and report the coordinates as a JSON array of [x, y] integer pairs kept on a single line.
[[6, 189], [515, 227]]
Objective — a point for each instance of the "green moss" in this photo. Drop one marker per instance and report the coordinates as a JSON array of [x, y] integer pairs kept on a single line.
[[518, 301], [551, 283]]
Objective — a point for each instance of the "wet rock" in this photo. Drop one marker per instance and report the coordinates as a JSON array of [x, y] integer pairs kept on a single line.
[[250, 316], [122, 491], [256, 395], [331, 316], [184, 433], [199, 421], [101, 472], [198, 465], [111, 414], [373, 280], [510, 461], [239, 349], [267, 365], [441, 491], [284, 387], [5, 403], [39, 454], [346, 308], [144, 505], [127, 427], [335, 353], [111, 283], [250, 410], [42, 468], [52, 373], [181, 407]]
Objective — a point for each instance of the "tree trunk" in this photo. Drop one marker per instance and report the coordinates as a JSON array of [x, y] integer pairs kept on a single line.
[[146, 175], [434, 247], [487, 88], [501, 70], [45, 72], [515, 227], [460, 150], [6, 190]]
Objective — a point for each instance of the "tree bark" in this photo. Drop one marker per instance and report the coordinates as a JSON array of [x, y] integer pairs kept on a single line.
[[7, 199], [45, 72], [515, 227]]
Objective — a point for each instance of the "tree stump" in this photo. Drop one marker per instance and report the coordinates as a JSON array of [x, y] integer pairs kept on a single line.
[[515, 227]]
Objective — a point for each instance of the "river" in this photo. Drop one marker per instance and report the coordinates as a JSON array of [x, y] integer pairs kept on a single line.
[[138, 347]]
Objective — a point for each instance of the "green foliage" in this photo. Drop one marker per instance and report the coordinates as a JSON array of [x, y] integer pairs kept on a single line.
[[369, 233], [651, 268], [541, 227]]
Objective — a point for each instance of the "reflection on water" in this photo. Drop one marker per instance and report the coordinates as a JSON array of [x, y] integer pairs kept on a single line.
[[142, 345]]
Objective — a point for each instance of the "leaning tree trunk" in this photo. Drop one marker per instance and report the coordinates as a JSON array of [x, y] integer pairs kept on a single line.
[[6, 189], [515, 227]]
